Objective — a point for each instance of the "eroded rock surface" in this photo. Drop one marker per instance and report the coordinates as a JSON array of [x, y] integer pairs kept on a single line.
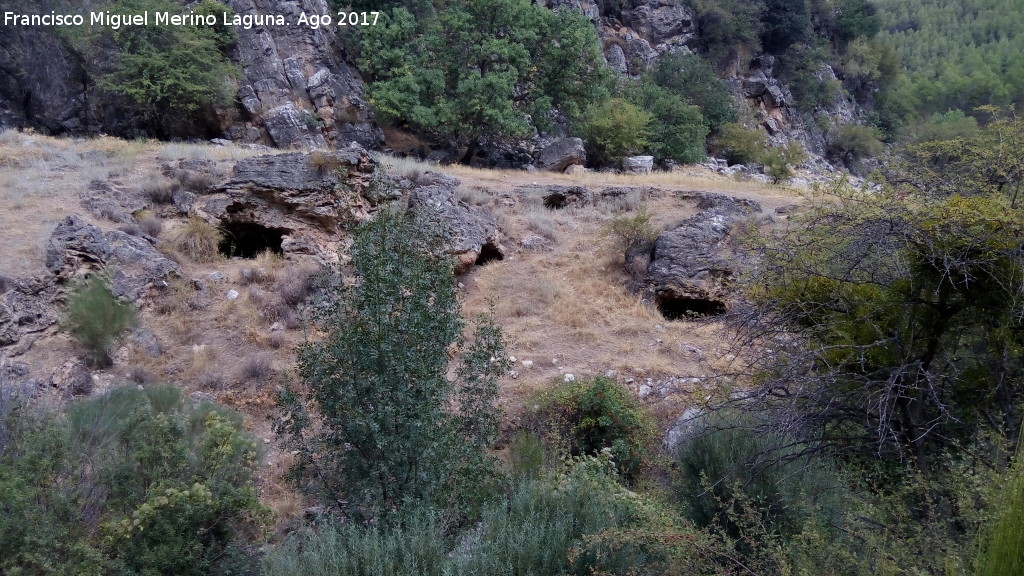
[[475, 236], [77, 248], [691, 266]]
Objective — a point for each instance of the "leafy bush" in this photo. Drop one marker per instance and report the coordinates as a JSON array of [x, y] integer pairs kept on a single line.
[[739, 145], [728, 28], [942, 127], [803, 68], [534, 530], [730, 460], [197, 239], [594, 415], [134, 482], [854, 142], [615, 129], [381, 433], [777, 161], [629, 229], [169, 73], [96, 318], [472, 68], [693, 78], [677, 129]]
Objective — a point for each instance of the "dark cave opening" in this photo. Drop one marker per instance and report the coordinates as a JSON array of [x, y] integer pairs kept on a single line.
[[555, 201], [488, 253], [678, 308], [248, 239]]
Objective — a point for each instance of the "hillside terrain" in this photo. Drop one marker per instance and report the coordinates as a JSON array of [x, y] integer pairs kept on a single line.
[[553, 288]]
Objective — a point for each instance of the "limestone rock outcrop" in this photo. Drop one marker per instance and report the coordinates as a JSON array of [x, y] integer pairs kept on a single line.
[[561, 154], [691, 265], [474, 230], [77, 248]]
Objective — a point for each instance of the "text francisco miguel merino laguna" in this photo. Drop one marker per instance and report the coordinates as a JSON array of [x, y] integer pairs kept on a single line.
[[115, 21]]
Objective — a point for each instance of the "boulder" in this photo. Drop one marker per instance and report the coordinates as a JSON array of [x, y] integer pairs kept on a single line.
[[72, 378], [638, 164], [616, 59], [474, 230], [76, 248], [284, 191], [691, 265], [561, 154], [25, 308], [755, 84]]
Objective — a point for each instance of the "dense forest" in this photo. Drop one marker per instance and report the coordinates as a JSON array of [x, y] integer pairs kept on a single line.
[[956, 55]]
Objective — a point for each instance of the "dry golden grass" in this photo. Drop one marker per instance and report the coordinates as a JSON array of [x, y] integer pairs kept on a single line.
[[571, 303]]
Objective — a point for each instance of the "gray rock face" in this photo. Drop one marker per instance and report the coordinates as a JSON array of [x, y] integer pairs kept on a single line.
[[474, 230], [690, 269], [296, 87], [23, 308], [296, 83], [638, 164], [561, 154], [616, 59], [298, 198], [76, 247]]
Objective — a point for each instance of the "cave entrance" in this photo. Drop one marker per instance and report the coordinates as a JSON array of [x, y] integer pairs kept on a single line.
[[488, 253], [248, 239], [680, 308], [556, 201]]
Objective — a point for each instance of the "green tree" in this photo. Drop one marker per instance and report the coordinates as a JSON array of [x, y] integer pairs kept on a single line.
[[693, 78], [95, 316], [678, 129], [168, 73], [381, 431], [481, 68], [615, 129], [786, 22], [907, 303]]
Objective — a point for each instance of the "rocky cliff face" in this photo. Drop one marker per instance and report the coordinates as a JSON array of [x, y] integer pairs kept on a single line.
[[295, 89]]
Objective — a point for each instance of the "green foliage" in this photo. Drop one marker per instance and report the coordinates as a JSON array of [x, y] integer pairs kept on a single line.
[[727, 453], [990, 161], [168, 73], [895, 294], [856, 19], [958, 55], [777, 161], [481, 68], [132, 482], [380, 432], [1003, 551], [629, 229], [952, 125], [677, 129], [854, 142], [615, 129], [786, 22], [739, 145], [803, 69], [533, 530], [729, 28], [596, 415], [693, 78], [96, 318]]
